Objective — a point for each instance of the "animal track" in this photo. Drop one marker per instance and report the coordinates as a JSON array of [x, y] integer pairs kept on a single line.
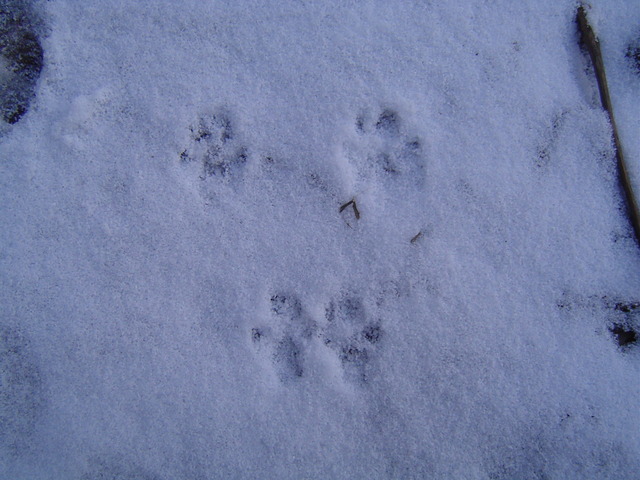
[[547, 147], [289, 331], [345, 330], [215, 147], [384, 150], [622, 316], [625, 323], [21, 59], [558, 143], [349, 333], [632, 54]]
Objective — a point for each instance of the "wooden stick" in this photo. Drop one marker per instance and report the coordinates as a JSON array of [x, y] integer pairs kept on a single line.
[[593, 46], [351, 202]]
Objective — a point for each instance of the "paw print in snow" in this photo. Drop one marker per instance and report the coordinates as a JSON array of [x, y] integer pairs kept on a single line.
[[287, 336], [214, 146], [346, 331], [350, 334], [21, 59], [384, 151]]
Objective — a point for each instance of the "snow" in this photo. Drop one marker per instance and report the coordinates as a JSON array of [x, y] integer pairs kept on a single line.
[[183, 298]]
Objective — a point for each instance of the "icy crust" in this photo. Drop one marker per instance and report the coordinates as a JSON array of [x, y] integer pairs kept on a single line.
[[318, 240]]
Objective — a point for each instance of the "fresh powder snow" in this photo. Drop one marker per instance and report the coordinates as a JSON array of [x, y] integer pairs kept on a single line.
[[316, 239]]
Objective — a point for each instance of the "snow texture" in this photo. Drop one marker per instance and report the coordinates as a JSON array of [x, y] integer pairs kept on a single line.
[[317, 239]]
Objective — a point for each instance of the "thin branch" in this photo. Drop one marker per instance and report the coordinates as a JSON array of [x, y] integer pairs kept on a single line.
[[593, 46]]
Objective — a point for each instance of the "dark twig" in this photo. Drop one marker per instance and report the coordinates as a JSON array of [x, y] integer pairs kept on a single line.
[[353, 205], [345, 205], [356, 212]]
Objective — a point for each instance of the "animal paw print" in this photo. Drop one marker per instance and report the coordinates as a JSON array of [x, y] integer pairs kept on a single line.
[[21, 59], [346, 330], [214, 146], [287, 336], [353, 338], [622, 316], [385, 151], [625, 323]]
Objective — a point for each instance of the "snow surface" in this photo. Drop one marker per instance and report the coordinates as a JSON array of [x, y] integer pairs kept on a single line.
[[182, 298]]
